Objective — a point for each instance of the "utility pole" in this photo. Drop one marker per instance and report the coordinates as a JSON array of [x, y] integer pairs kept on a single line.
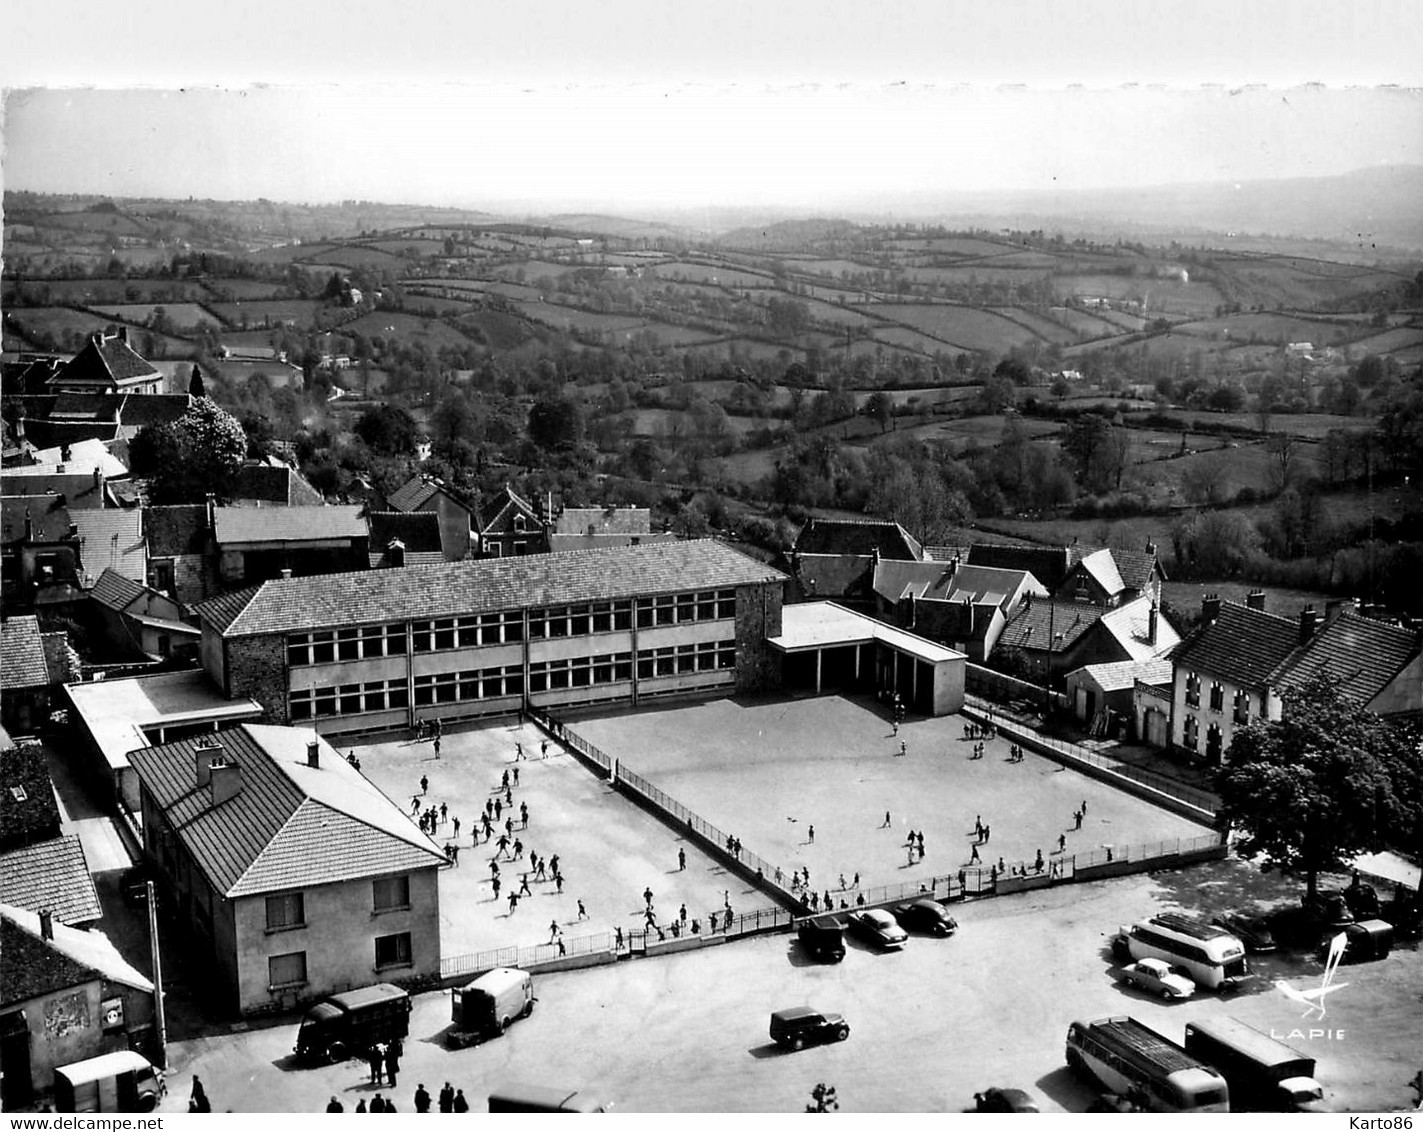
[[159, 1017]]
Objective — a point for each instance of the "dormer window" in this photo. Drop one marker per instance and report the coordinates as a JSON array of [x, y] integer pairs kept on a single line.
[[519, 522]]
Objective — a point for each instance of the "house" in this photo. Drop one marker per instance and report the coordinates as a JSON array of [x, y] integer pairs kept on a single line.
[[257, 543], [65, 995], [964, 606], [298, 877], [405, 538], [376, 649], [70, 418], [25, 680], [179, 564], [273, 482], [39, 552], [1046, 639], [78, 486], [41, 868], [457, 518], [1103, 696], [109, 366], [836, 558], [1092, 575], [509, 526], [133, 615], [584, 528], [112, 540]]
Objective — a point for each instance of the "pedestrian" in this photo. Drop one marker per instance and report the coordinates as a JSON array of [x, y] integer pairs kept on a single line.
[[541, 873], [713, 921], [524, 814], [509, 825], [376, 1058], [886, 820], [618, 938], [682, 913], [457, 828], [333, 1105], [518, 751], [552, 930], [439, 728], [422, 1096], [810, 833], [509, 797], [502, 844], [681, 860], [513, 902], [978, 826], [911, 853], [543, 748], [496, 888], [516, 776], [558, 880], [647, 896], [987, 832], [553, 864], [1061, 842], [1084, 807], [582, 911], [444, 812], [437, 746], [415, 804], [649, 917], [1000, 864], [460, 1104], [454, 854], [504, 782], [424, 784], [518, 849], [377, 1105], [498, 808], [856, 881], [198, 1099], [921, 844], [903, 747], [447, 1098], [562, 951], [1077, 819], [894, 727], [392, 1063], [360, 1105], [524, 885]]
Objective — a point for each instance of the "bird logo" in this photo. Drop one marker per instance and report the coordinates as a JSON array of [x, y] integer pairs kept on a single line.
[[1313, 999]]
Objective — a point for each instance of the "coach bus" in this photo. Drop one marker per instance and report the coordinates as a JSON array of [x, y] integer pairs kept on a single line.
[[1136, 1062], [1211, 956]]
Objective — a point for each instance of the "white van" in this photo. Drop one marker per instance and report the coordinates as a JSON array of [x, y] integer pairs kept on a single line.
[[486, 1006], [113, 1082]]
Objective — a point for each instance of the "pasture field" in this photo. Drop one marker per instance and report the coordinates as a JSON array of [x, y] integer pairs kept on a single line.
[[904, 339], [966, 327], [752, 348], [301, 313], [1044, 328], [968, 432], [622, 326], [1122, 320], [182, 315], [95, 292], [1270, 328], [290, 253], [751, 467], [278, 375], [1186, 597], [967, 246], [58, 320], [1390, 341], [532, 269], [410, 244], [671, 422], [411, 328], [1311, 426], [243, 289], [1085, 325], [971, 273], [680, 271], [1163, 296], [830, 268], [107, 223], [839, 313]]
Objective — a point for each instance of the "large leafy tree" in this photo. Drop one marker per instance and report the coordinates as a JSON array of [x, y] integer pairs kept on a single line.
[[388, 430], [198, 453], [1327, 782]]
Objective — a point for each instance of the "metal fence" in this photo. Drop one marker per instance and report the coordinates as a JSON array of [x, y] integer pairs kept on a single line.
[[1002, 688], [1203, 800], [478, 962], [580, 746]]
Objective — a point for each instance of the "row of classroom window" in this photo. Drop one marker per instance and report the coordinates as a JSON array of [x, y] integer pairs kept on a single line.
[[494, 683], [441, 635], [1217, 697]]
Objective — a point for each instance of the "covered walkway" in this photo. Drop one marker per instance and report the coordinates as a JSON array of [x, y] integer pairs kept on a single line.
[[826, 646]]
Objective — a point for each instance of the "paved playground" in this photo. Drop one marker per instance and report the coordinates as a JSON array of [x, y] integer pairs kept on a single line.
[[610, 851], [768, 770]]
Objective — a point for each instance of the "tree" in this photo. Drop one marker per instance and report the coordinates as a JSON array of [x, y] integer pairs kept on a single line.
[[195, 383], [879, 407], [1323, 784], [555, 423], [1282, 448], [1215, 544], [198, 453], [388, 430]]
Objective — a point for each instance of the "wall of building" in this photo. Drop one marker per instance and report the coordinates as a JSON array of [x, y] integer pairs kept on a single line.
[[758, 618], [257, 667], [1404, 693], [66, 1026], [949, 685], [338, 939], [1266, 705]]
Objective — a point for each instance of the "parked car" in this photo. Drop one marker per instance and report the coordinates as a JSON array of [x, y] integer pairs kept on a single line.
[[1003, 1100], [1329, 910], [1253, 931], [875, 925], [823, 938], [800, 1026], [926, 916], [1367, 941], [1362, 900], [1156, 977]]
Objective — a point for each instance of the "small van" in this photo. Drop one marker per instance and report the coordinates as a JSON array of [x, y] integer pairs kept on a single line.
[[486, 1006], [823, 938], [544, 1098], [799, 1026], [1367, 940], [113, 1082], [350, 1024]]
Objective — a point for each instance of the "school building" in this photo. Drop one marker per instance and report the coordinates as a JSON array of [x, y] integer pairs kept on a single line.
[[378, 649]]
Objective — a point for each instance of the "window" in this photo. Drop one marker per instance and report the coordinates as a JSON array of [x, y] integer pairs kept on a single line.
[[287, 911], [348, 644], [393, 950], [161, 573], [1213, 742], [1191, 732], [323, 648], [521, 547], [286, 970], [1193, 689], [391, 893], [1242, 707], [1217, 696]]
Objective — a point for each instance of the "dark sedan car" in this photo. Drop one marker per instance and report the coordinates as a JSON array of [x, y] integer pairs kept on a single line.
[[926, 916], [1003, 1100], [1253, 931], [874, 925]]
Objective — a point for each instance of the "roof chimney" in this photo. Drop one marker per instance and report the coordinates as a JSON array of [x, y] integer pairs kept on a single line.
[[98, 479], [205, 754], [212, 511], [226, 780], [313, 753], [46, 924], [395, 551], [1308, 622], [1255, 599], [1151, 548], [286, 573], [1210, 607], [123, 335], [1153, 617]]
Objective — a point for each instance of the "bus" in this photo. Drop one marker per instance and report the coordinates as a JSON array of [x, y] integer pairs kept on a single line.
[[1211, 956], [1134, 1061]]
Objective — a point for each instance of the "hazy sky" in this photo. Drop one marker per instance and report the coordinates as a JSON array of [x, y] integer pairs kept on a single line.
[[637, 103]]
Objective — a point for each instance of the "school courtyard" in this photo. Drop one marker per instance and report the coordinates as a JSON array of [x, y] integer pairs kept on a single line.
[[762, 770]]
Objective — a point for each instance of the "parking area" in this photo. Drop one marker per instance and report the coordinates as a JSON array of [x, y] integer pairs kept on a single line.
[[609, 851], [771, 771]]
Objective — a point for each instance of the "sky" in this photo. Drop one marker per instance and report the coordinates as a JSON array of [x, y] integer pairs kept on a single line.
[[634, 104]]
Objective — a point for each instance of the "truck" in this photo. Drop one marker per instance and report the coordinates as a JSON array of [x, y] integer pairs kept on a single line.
[[351, 1024], [485, 1007], [1264, 1074], [123, 1081]]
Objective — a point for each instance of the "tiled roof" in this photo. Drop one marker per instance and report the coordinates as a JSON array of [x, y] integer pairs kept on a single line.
[[1048, 564], [1242, 645], [141, 410], [1103, 569], [507, 500], [97, 407], [115, 591], [1358, 655], [484, 585], [603, 521], [289, 825], [41, 966], [112, 539], [105, 360], [51, 875], [858, 536], [562, 544], [28, 810], [82, 456], [22, 663], [287, 524], [1137, 569], [175, 530], [413, 493], [78, 489], [1118, 675], [418, 530], [1130, 625], [1036, 623], [49, 518], [833, 575]]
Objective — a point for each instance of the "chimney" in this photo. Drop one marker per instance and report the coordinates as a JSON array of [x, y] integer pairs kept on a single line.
[[286, 573], [1151, 548], [313, 753], [46, 924], [1210, 607], [64, 453], [396, 552], [212, 511], [73, 530], [1255, 599], [29, 527], [98, 479], [204, 755], [123, 335], [226, 780], [1152, 619], [1308, 622]]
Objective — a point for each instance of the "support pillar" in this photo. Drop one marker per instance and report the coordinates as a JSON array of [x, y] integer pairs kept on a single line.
[[819, 653]]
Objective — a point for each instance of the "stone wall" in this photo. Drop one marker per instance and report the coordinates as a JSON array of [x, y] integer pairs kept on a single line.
[[257, 667], [758, 616]]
